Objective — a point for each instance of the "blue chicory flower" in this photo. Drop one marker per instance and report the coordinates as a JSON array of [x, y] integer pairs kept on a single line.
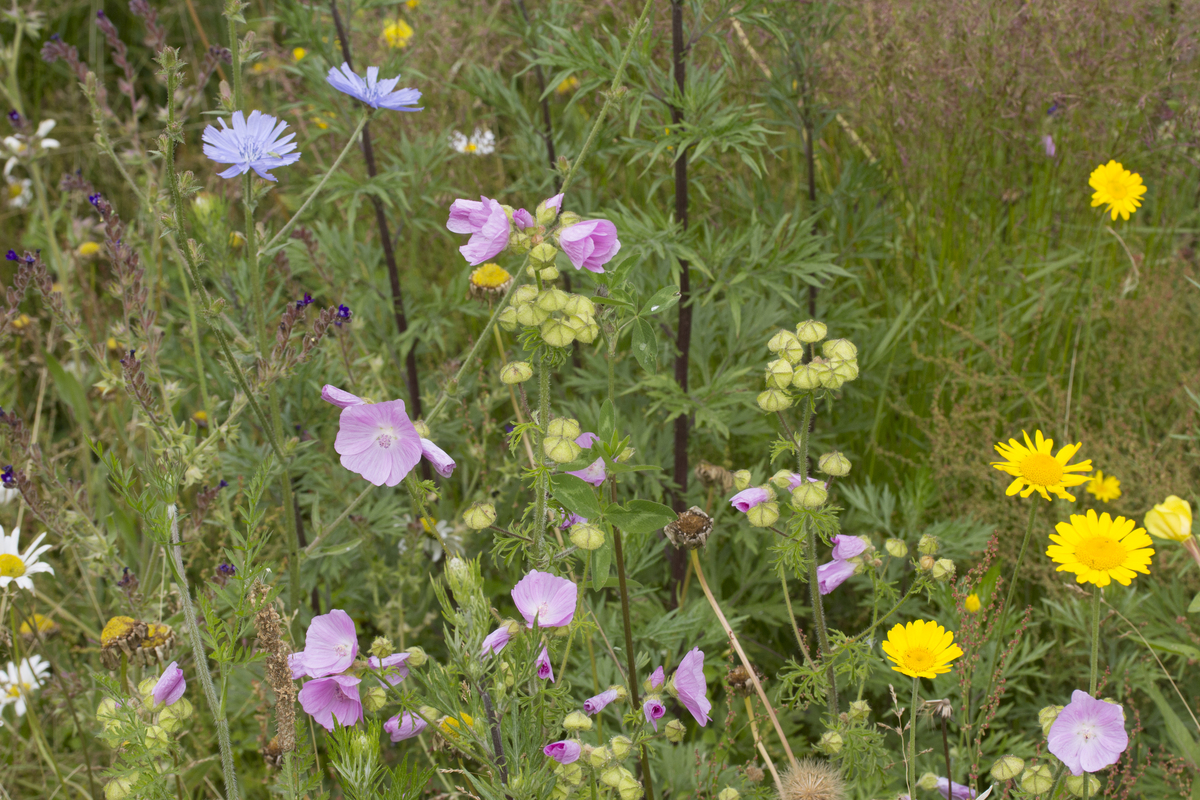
[[374, 92], [255, 144]]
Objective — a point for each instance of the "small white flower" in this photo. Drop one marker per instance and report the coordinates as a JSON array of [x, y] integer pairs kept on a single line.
[[17, 566], [16, 683], [481, 143], [8, 495], [29, 145], [19, 191]]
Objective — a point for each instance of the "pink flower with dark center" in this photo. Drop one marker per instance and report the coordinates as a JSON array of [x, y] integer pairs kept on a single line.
[[333, 697], [330, 646], [846, 547], [340, 397], [748, 498], [171, 685], [548, 598], [393, 666], [657, 677], [590, 244], [833, 574], [442, 464], [594, 705], [378, 441], [523, 219], [690, 687], [954, 791], [594, 473], [544, 669], [488, 225], [496, 641], [1089, 734], [565, 752], [404, 726], [654, 711]]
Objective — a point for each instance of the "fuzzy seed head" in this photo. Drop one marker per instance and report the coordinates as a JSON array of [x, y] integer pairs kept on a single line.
[[813, 779]]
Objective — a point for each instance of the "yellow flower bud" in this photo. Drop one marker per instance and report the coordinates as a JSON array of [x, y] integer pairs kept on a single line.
[[763, 515], [774, 400], [1170, 519], [741, 479], [971, 604], [587, 537], [839, 348], [516, 372], [809, 495], [479, 515], [1007, 768], [88, 249], [834, 464], [811, 331], [556, 334], [237, 240]]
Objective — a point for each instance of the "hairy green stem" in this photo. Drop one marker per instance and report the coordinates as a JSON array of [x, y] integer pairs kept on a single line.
[[819, 621], [787, 599], [539, 523], [912, 739], [235, 50], [1095, 675], [256, 276]]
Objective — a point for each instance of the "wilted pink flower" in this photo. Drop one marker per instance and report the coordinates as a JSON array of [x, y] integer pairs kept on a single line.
[[690, 687], [1048, 145], [590, 244], [548, 598], [593, 473], [747, 499], [954, 791], [335, 696], [1089, 734], [330, 646], [404, 726], [487, 223], [171, 685], [594, 705], [846, 547], [545, 670], [393, 666], [657, 677], [833, 574], [496, 640], [654, 711], [442, 464], [565, 752], [523, 219], [340, 397], [378, 442]]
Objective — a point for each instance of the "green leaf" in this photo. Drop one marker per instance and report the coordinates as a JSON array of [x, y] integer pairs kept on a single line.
[[601, 562], [1177, 732], [661, 300], [70, 391], [645, 345], [1177, 648], [640, 516], [576, 496], [1194, 606], [608, 420]]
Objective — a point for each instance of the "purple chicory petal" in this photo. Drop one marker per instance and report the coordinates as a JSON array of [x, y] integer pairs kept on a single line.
[[548, 598], [522, 219], [555, 202], [691, 687], [496, 641], [565, 752], [330, 645], [590, 244], [339, 397], [334, 697], [170, 686], [393, 666], [657, 677], [847, 547]]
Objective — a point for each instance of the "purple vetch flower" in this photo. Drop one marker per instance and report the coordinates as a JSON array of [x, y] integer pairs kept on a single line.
[[1089, 734], [343, 315], [523, 219], [378, 441], [255, 144], [442, 463], [393, 666], [548, 598], [171, 685], [374, 92], [593, 473], [590, 244], [847, 547], [657, 677], [334, 697], [833, 574], [11, 255], [330, 646], [545, 670], [654, 710], [340, 397], [1048, 145], [594, 705], [690, 687], [404, 726], [7, 476], [307, 300], [498, 639], [488, 224], [222, 484], [565, 752], [748, 498], [954, 791]]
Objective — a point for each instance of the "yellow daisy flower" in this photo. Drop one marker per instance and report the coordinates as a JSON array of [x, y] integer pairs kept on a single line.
[[1099, 549], [1117, 188], [1036, 468], [921, 649], [971, 604], [299, 53], [1104, 487], [397, 34]]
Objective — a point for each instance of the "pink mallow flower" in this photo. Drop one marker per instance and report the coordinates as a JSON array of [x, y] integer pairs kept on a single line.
[[833, 574], [594, 473], [442, 463], [548, 598], [523, 219], [393, 666], [690, 687], [1089, 734], [847, 547], [590, 244], [565, 752], [545, 670], [488, 225], [654, 711], [333, 697], [594, 705], [496, 641], [657, 677], [378, 441], [171, 685], [404, 726], [340, 397], [330, 646], [954, 791], [748, 498]]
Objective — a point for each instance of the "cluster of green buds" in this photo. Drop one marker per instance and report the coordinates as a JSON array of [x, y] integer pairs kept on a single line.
[[537, 239], [789, 373], [162, 721], [606, 761], [941, 569], [558, 317]]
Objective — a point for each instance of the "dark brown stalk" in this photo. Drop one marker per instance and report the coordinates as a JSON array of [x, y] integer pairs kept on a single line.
[[548, 134], [683, 342], [497, 743], [389, 254]]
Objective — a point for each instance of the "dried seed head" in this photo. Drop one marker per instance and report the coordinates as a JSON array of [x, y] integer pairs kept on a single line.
[[710, 475], [690, 530], [813, 779], [739, 681]]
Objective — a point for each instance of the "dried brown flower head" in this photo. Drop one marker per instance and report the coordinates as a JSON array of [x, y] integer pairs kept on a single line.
[[277, 672], [273, 754], [754, 773], [739, 681], [710, 475], [121, 635], [157, 645], [691, 530], [813, 779], [938, 708]]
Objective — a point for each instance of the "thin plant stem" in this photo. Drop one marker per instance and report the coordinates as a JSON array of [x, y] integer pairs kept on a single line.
[[235, 64], [256, 276], [1161, 666], [327, 529], [819, 620], [912, 739], [630, 653], [539, 523], [1095, 673], [787, 598], [758, 743]]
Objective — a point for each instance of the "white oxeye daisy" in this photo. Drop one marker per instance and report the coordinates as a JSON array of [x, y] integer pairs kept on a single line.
[[481, 143], [16, 683], [19, 192], [18, 566]]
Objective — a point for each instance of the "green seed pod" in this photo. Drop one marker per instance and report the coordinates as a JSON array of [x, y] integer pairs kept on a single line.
[[1075, 785], [763, 515], [806, 377], [508, 319], [896, 548], [556, 334], [811, 331], [839, 348], [830, 743], [577, 721], [774, 400], [530, 315], [587, 537], [779, 374], [835, 464], [552, 299], [524, 294], [809, 495], [1037, 780], [1007, 768], [565, 427], [516, 372], [674, 731], [928, 545], [741, 479]]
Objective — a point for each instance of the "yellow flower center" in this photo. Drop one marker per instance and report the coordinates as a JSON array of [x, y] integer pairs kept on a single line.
[[918, 659], [15, 190], [116, 628], [472, 147], [11, 566], [156, 634], [1117, 186], [1041, 470], [490, 276], [1101, 553], [13, 691]]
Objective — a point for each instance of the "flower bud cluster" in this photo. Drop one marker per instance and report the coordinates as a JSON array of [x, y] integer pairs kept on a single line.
[[789, 373], [559, 318]]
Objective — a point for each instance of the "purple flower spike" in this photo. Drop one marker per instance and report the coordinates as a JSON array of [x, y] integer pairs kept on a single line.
[[548, 598], [1089, 734], [1048, 145], [404, 726], [335, 696], [954, 791], [590, 244], [690, 686], [523, 219], [488, 225], [654, 711], [11, 255], [847, 547], [747, 499], [565, 752], [374, 92], [339, 397], [330, 646], [255, 144], [442, 464], [657, 677], [594, 473], [378, 442], [393, 666], [594, 705], [544, 669], [496, 641], [170, 686], [833, 574]]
